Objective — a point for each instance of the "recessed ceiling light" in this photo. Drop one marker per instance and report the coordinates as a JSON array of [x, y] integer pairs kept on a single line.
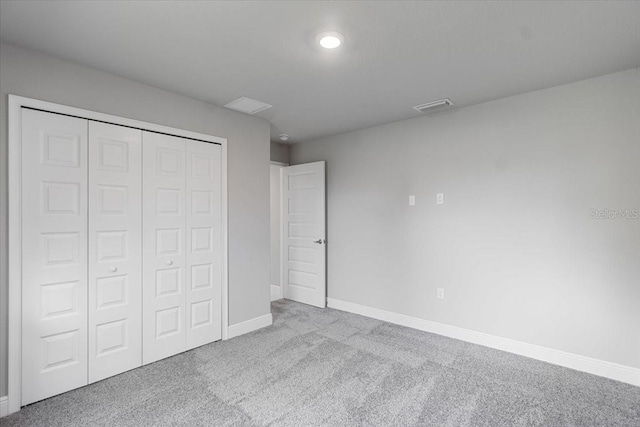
[[330, 39], [284, 137]]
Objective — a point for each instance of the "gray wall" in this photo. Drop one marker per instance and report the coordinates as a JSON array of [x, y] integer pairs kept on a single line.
[[279, 152], [515, 245], [34, 75]]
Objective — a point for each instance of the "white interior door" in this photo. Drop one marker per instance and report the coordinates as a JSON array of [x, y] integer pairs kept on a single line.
[[304, 250], [164, 223], [115, 249], [122, 250], [204, 243], [54, 254]]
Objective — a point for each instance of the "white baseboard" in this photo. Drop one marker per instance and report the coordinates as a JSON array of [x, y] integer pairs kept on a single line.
[[276, 292], [598, 367], [249, 326], [3, 406]]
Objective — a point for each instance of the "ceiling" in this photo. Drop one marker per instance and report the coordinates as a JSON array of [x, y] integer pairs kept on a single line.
[[396, 55]]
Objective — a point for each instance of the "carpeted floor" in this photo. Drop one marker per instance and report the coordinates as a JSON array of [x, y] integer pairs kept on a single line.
[[318, 367]]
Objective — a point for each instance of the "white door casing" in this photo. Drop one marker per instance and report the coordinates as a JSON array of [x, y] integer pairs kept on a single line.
[[115, 250], [54, 254], [304, 246], [203, 244], [164, 260]]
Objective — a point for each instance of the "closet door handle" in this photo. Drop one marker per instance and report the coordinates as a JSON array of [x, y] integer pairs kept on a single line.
[[169, 262], [113, 269]]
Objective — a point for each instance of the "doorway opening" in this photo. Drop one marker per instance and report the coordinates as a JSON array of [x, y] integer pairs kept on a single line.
[[276, 229]]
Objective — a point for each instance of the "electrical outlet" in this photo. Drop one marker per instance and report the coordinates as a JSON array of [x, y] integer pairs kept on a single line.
[[440, 198], [440, 293], [412, 200]]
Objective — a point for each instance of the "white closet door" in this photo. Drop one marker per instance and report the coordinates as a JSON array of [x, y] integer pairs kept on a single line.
[[115, 250], [54, 245], [204, 244], [164, 223]]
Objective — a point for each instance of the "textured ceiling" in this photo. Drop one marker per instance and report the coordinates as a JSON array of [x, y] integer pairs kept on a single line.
[[396, 55]]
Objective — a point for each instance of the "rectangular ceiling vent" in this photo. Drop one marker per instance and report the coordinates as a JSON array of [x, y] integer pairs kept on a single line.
[[247, 105], [434, 106]]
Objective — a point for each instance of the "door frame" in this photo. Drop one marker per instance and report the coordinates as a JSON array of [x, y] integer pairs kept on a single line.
[[15, 105], [281, 230]]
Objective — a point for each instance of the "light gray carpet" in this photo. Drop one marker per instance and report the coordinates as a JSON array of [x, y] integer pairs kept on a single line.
[[318, 367]]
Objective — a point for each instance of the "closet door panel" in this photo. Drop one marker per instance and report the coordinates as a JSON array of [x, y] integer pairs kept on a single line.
[[164, 223], [54, 254], [204, 241], [115, 250]]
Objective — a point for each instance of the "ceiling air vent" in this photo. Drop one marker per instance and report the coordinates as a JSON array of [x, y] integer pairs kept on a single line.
[[247, 105], [434, 106]]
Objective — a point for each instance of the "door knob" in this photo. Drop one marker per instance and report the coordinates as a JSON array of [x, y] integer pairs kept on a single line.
[[113, 269], [169, 262], [319, 241]]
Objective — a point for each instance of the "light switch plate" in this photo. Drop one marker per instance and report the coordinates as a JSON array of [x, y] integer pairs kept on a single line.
[[412, 200], [440, 198]]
